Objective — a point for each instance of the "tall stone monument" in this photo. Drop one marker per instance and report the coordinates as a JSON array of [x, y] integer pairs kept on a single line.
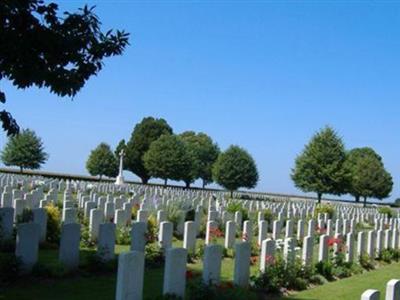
[[120, 178]]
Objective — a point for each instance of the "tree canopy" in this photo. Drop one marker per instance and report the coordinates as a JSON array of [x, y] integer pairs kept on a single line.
[[203, 153], [351, 166], [168, 158], [235, 168], [40, 48], [102, 162], [24, 150], [143, 135], [368, 177], [319, 168], [121, 146]]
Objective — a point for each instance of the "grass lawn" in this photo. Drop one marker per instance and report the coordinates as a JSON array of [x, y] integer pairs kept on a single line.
[[99, 287], [102, 287], [352, 288]]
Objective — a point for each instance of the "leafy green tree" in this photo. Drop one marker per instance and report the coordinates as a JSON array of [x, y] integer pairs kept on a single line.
[[204, 153], [121, 146], [235, 168], [319, 168], [353, 159], [168, 158], [369, 179], [102, 161], [39, 47], [143, 135], [24, 150]]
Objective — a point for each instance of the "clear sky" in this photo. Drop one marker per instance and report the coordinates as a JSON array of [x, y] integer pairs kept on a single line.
[[261, 74]]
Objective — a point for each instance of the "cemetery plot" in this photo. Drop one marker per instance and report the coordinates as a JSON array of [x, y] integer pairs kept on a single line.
[[143, 242]]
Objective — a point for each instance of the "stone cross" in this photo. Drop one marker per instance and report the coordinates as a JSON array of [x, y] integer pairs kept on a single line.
[[120, 178]]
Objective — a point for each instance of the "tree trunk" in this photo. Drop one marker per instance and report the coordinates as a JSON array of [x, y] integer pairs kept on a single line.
[[101, 176], [21, 169], [319, 198], [187, 184], [231, 194], [145, 180], [357, 198], [165, 181], [365, 201], [204, 183]]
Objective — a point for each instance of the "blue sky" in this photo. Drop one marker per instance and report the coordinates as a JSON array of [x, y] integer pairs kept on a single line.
[[263, 75]]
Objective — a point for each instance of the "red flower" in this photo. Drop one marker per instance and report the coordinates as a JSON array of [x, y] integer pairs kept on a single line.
[[215, 233], [269, 259], [253, 260], [321, 230], [225, 285], [189, 274], [332, 241]]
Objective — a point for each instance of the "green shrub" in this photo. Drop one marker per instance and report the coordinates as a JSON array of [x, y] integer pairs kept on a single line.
[[386, 256], [325, 208], [300, 284], [234, 206], [255, 248], [81, 217], [282, 275], [366, 262], [268, 216], [152, 229], [86, 241], [200, 250], [53, 224], [395, 254], [386, 210], [318, 279], [174, 214], [389, 255], [325, 268], [154, 256], [123, 235], [135, 209], [341, 272]]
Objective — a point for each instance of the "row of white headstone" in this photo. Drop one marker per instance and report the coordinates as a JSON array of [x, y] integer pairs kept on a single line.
[[131, 270]]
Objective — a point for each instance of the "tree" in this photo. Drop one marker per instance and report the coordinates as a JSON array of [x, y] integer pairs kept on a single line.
[[102, 161], [144, 133], [370, 179], [351, 166], [41, 48], [319, 168], [204, 153], [121, 146], [24, 150], [168, 158], [235, 168]]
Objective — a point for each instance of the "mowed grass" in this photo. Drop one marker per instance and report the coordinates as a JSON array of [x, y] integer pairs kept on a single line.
[[102, 287], [98, 287], [352, 288]]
